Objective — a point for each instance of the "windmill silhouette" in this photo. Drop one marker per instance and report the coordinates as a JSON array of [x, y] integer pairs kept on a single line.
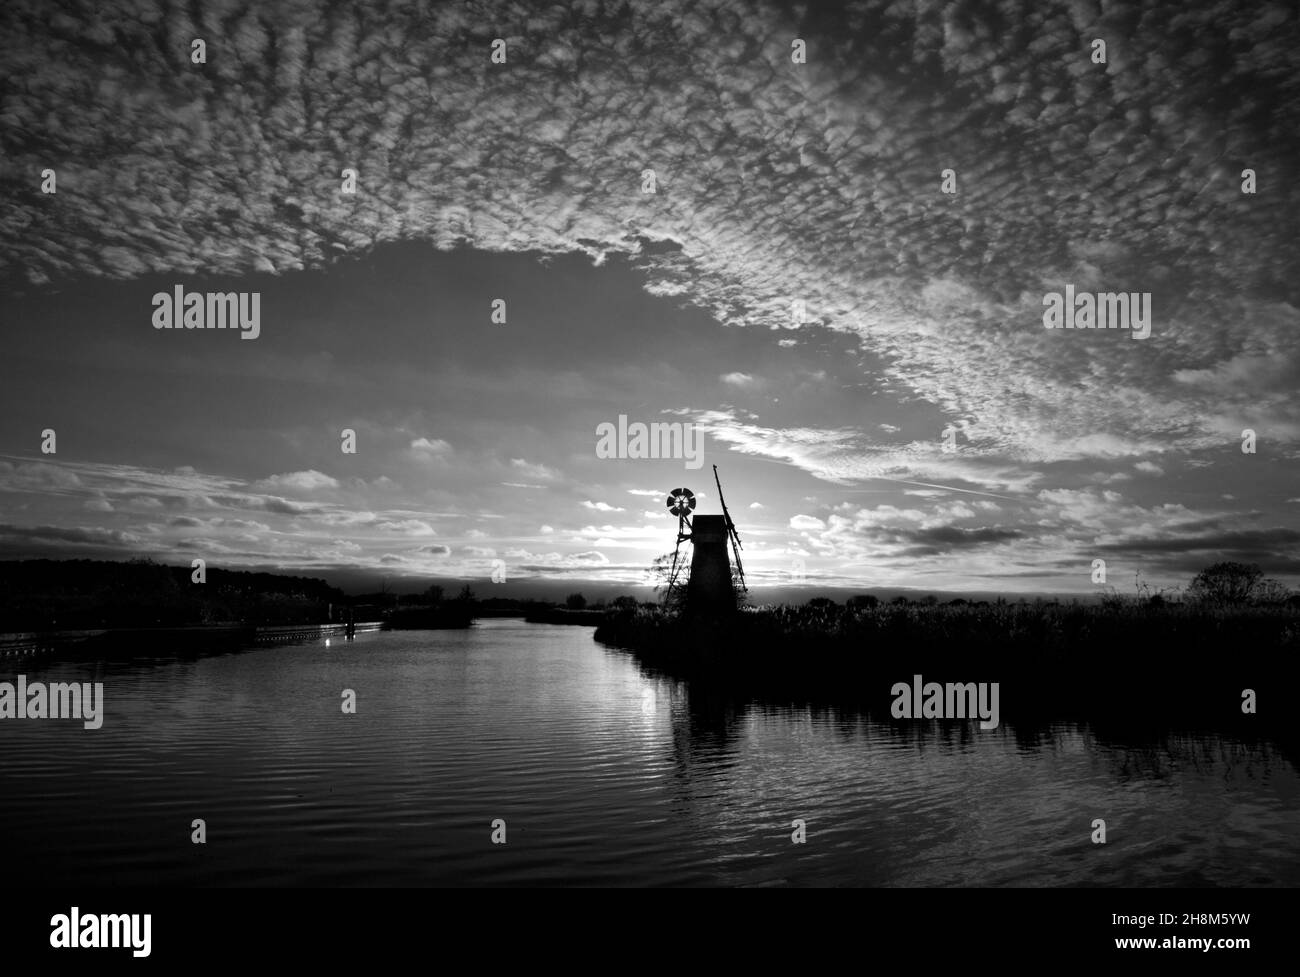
[[710, 589]]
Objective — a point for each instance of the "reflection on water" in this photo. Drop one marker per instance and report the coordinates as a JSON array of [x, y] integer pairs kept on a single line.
[[604, 776]]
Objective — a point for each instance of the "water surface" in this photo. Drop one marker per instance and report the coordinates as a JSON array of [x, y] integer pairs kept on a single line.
[[603, 774]]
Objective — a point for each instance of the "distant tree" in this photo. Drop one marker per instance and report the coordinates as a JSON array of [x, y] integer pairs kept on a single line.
[[466, 595], [822, 603], [1226, 583], [575, 602], [899, 601], [624, 603], [929, 600], [1270, 591], [862, 601], [433, 595]]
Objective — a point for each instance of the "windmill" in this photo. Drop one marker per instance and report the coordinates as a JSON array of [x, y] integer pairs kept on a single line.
[[711, 588]]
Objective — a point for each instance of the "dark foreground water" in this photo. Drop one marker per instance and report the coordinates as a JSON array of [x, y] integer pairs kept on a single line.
[[602, 775]]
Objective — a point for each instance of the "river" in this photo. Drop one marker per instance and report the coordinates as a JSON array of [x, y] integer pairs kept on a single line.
[[602, 775]]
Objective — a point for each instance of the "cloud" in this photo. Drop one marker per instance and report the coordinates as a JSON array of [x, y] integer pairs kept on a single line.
[[406, 527], [948, 539], [532, 470], [1110, 479], [806, 522], [38, 477], [601, 506], [308, 481], [738, 379], [844, 456], [283, 506], [426, 447], [204, 512], [610, 534], [37, 541], [556, 564]]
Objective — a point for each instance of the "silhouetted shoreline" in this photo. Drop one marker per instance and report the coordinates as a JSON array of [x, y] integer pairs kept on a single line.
[[147, 599], [1137, 662]]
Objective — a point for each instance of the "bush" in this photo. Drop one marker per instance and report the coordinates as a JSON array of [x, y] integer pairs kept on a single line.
[[1225, 583]]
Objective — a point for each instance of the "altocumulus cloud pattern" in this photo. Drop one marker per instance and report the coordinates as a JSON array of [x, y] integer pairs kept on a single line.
[[776, 181]]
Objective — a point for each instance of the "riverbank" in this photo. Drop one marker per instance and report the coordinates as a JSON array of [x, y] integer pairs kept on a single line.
[[1134, 663], [115, 642]]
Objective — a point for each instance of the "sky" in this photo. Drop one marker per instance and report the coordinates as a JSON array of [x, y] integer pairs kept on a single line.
[[799, 286]]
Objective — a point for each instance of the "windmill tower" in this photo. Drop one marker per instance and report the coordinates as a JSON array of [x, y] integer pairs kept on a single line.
[[710, 590]]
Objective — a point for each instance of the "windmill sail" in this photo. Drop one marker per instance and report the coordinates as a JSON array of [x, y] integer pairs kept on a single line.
[[731, 528], [681, 502]]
